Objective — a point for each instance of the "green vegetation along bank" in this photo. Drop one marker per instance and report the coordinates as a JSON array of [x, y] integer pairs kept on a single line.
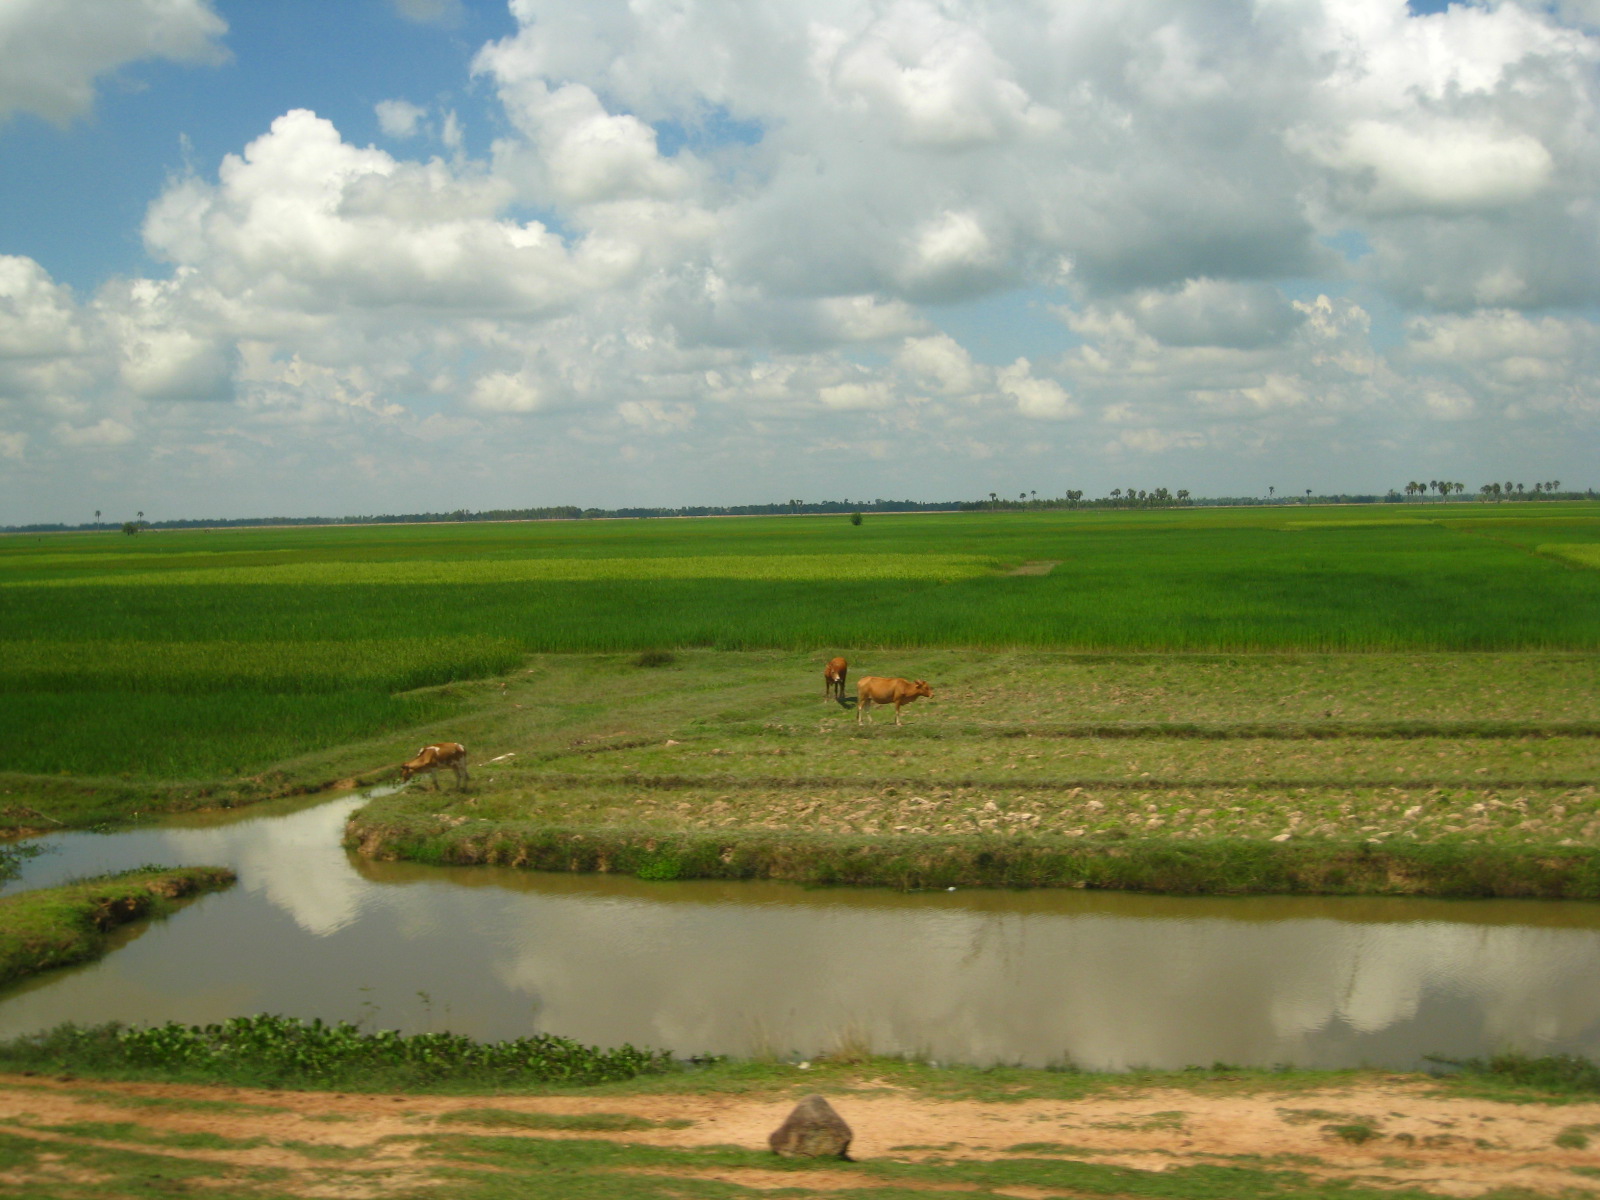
[[272, 1051], [59, 926], [1424, 774]]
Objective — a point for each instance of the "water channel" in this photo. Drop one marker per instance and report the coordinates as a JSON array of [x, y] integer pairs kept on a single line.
[[1108, 980]]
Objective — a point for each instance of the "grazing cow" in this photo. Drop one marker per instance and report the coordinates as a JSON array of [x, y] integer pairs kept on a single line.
[[833, 678], [876, 689], [430, 759]]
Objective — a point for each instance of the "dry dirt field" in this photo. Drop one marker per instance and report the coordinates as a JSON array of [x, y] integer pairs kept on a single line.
[[320, 1144]]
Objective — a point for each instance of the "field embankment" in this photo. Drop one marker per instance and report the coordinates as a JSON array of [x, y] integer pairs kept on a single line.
[[59, 926], [1419, 774]]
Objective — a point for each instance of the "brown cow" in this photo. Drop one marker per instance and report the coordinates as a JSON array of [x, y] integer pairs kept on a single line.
[[833, 678], [876, 689], [430, 759]]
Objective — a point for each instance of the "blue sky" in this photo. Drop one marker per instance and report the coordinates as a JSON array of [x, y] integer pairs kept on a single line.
[[386, 255], [78, 204]]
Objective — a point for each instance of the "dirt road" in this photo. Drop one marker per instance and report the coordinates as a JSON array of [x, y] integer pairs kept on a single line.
[[1378, 1133]]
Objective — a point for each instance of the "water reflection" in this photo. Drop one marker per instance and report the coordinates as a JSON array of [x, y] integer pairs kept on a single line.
[[977, 976]]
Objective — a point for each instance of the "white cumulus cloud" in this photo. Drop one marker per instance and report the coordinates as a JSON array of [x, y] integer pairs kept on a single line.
[[763, 248], [55, 50]]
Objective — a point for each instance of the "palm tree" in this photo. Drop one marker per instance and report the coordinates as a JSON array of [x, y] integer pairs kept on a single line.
[[1116, 493], [1271, 491]]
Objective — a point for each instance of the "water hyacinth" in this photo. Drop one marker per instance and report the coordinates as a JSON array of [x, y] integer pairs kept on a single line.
[[286, 1051]]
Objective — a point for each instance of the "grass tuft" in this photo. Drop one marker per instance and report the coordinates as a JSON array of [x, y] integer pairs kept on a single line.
[[59, 926], [1557, 1074]]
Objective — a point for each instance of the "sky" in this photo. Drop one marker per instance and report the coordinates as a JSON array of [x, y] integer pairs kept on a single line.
[[293, 258]]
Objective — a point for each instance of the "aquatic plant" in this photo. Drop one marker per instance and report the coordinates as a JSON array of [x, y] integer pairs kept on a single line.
[[286, 1051]]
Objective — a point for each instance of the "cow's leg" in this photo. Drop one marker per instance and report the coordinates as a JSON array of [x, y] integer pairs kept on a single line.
[[434, 775], [897, 712], [863, 705], [461, 777]]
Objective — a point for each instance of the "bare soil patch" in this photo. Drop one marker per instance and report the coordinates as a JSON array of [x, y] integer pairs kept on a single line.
[[1444, 1145]]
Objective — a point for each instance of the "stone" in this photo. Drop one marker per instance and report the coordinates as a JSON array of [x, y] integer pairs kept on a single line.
[[812, 1130]]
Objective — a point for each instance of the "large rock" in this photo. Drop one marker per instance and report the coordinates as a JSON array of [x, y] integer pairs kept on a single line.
[[813, 1130]]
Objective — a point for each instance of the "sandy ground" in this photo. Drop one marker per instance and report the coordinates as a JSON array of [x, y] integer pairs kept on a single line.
[[1448, 1146]]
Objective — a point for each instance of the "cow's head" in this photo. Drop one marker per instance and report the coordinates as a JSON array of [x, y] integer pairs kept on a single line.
[[921, 688]]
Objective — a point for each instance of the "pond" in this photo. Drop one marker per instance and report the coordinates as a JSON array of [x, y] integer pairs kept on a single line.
[[1105, 980]]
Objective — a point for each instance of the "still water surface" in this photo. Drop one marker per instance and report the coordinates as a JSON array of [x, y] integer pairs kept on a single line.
[[1109, 980]]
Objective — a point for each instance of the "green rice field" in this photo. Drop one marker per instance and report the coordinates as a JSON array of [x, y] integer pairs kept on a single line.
[[200, 655]]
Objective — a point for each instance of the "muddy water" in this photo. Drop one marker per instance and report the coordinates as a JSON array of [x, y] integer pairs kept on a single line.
[[972, 976]]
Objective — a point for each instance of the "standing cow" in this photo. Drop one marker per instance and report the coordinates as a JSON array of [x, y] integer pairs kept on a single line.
[[877, 689], [833, 678], [431, 759]]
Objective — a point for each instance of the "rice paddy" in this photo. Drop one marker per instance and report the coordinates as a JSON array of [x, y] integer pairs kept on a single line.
[[199, 656], [1442, 774]]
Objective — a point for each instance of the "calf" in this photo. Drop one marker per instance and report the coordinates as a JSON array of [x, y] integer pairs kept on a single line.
[[430, 759], [876, 689], [833, 678]]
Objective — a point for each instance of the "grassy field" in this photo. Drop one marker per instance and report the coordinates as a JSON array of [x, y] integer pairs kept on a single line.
[[141, 672], [74, 1124], [1445, 774], [54, 927], [1395, 699]]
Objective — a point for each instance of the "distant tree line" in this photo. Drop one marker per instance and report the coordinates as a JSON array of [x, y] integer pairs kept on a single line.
[[1544, 490], [1072, 498]]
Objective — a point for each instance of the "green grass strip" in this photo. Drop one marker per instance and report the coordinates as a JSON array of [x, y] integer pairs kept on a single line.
[[55, 927], [1222, 866], [267, 1050], [414, 572]]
